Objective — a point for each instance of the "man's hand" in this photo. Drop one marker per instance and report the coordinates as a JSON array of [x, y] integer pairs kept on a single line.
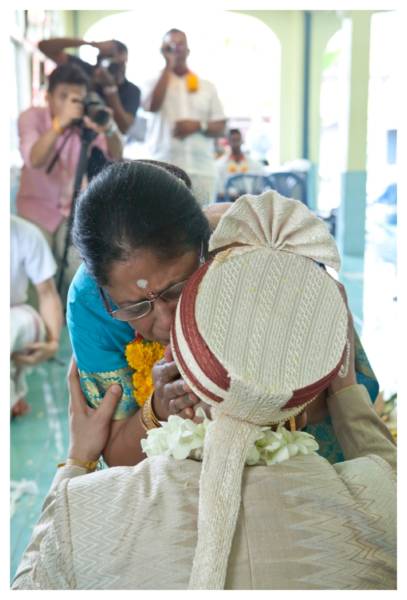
[[185, 127], [35, 353], [170, 58], [89, 427], [72, 109], [108, 47], [87, 121], [103, 77]]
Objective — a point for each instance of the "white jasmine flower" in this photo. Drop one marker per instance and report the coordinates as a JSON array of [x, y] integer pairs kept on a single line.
[[253, 456], [156, 443], [181, 438]]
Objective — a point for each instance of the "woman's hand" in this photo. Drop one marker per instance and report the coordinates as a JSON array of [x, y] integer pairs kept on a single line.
[[89, 427], [172, 396]]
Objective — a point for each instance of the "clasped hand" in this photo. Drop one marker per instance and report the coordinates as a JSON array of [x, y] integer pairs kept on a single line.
[[35, 353], [172, 396], [184, 128]]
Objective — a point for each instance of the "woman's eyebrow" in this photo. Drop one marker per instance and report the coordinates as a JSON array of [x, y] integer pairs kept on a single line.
[[129, 302]]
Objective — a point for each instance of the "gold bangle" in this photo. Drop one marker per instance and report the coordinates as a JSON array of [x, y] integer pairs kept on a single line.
[[89, 465], [144, 426], [56, 126], [148, 418]]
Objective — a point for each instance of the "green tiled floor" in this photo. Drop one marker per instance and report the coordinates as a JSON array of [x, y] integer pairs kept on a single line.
[[39, 440]]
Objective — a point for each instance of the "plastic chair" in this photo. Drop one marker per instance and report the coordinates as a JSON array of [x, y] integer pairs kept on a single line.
[[246, 183], [289, 184]]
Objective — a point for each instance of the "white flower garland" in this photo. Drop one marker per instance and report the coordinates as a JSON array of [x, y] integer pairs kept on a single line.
[[182, 438]]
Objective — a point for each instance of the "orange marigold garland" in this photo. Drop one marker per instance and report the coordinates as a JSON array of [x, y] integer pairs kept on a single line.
[[192, 82], [141, 355]]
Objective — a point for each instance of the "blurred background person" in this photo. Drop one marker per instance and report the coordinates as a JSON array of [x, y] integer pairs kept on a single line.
[[233, 162], [54, 132], [187, 116], [108, 76], [34, 336]]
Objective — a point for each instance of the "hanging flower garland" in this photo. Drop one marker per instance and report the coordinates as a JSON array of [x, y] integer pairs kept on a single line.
[[141, 355], [192, 82]]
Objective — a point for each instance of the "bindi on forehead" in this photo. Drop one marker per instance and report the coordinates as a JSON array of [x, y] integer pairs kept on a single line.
[[142, 283]]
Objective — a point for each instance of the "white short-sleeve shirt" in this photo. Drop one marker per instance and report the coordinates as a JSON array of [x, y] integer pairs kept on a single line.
[[195, 153], [30, 259]]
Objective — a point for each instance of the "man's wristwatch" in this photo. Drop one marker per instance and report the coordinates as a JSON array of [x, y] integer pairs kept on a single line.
[[203, 127]]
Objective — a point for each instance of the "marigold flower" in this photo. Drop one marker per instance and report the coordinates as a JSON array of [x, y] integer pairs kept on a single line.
[[192, 82], [141, 355]]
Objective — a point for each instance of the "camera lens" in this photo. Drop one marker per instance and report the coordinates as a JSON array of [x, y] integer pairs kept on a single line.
[[113, 68], [95, 109], [100, 116]]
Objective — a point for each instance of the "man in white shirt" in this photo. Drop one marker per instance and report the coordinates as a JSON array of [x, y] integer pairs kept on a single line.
[[34, 336], [187, 116], [234, 163]]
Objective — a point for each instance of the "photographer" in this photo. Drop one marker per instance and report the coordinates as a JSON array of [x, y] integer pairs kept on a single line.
[[50, 136], [108, 76]]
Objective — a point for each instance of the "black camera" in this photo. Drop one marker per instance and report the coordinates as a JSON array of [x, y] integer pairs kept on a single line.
[[95, 109], [108, 63]]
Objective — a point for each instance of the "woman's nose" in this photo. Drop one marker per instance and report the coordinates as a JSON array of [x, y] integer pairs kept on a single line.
[[164, 313]]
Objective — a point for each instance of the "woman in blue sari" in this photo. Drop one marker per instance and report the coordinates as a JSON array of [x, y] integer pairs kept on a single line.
[[141, 234]]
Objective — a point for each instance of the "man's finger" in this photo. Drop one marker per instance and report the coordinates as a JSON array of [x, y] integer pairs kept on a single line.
[[110, 401], [187, 413]]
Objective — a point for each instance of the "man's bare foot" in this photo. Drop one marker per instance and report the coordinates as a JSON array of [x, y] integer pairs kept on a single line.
[[21, 407]]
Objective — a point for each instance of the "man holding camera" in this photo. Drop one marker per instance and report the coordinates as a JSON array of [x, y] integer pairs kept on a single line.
[[108, 76], [187, 116], [50, 144]]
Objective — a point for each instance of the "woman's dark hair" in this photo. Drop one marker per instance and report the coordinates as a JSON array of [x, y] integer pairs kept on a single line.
[[137, 204], [69, 73]]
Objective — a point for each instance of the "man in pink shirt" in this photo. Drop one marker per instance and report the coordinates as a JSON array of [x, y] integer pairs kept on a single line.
[[45, 198]]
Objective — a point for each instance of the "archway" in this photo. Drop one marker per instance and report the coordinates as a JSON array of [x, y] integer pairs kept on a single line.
[[237, 52]]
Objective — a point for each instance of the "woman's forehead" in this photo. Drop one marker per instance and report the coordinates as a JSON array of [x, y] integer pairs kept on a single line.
[[144, 270]]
